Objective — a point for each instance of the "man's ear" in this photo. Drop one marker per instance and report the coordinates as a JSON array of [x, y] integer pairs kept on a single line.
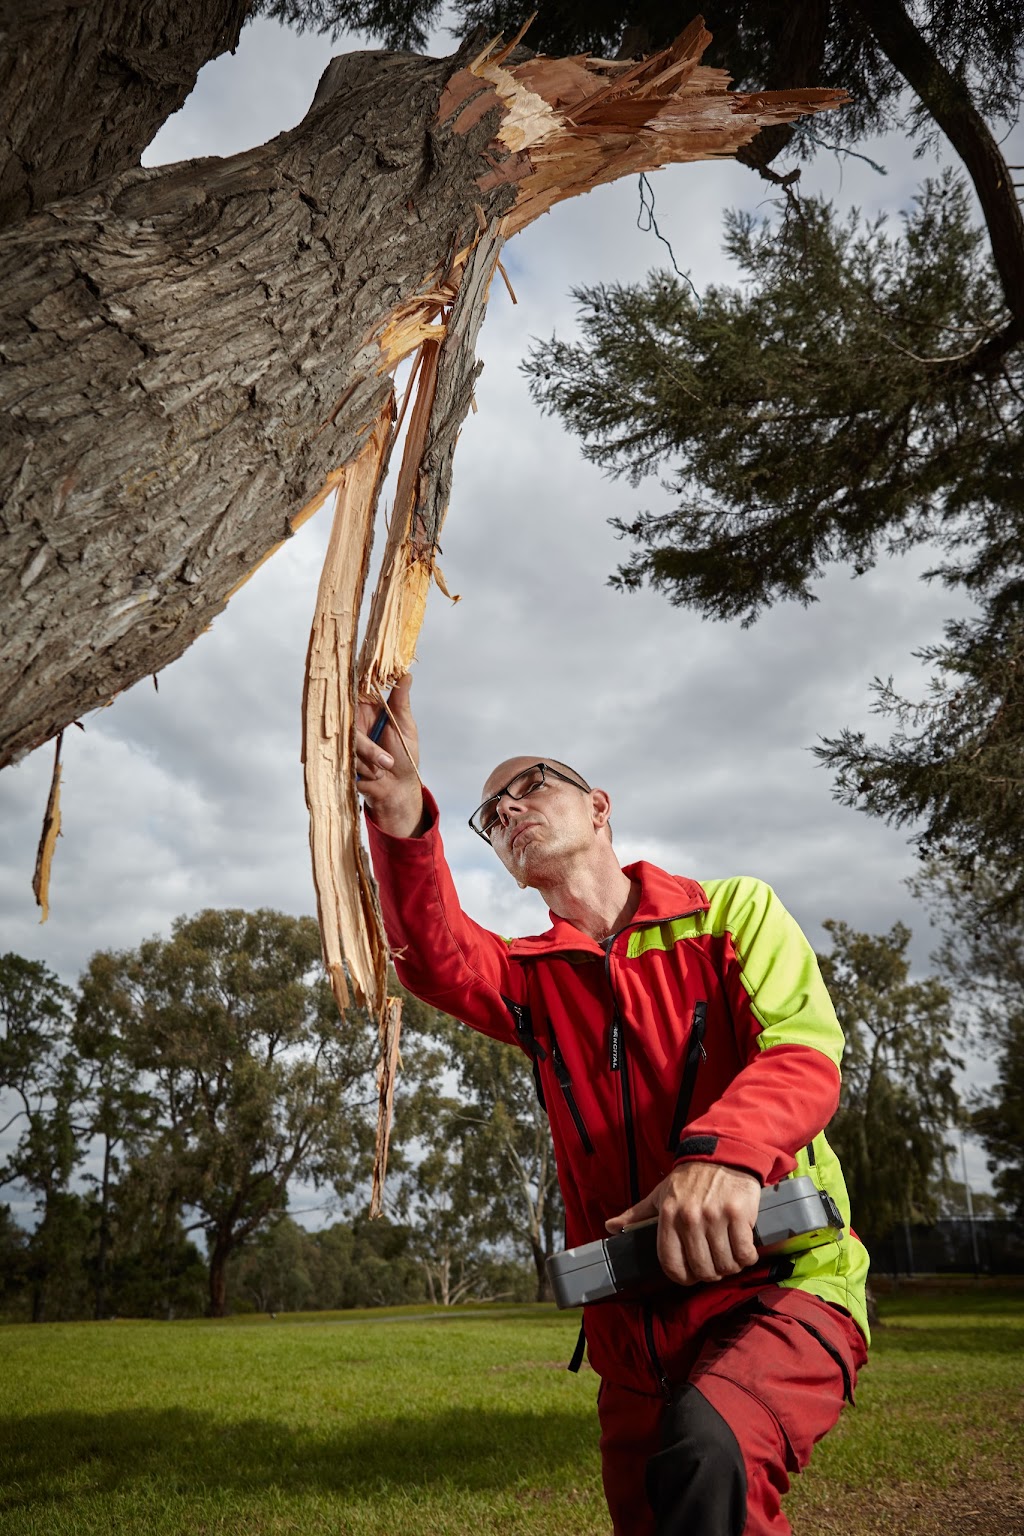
[[601, 807]]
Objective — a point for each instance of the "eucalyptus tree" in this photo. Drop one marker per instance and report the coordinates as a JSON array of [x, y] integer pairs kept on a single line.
[[194, 354], [41, 1092], [898, 1098], [254, 1079]]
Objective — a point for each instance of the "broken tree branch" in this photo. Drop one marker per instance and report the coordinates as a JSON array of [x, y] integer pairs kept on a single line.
[[562, 126]]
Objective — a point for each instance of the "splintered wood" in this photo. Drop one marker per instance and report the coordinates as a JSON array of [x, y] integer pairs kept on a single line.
[[48, 838], [346, 896], [563, 127]]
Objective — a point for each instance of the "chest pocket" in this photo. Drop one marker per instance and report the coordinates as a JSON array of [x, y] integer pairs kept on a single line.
[[523, 1020], [694, 1052]]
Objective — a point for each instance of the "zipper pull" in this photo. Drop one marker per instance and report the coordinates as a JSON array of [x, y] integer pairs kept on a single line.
[[615, 1044], [700, 1019]]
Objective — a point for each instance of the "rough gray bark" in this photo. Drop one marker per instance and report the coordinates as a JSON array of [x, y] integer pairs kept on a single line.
[[85, 84], [187, 353]]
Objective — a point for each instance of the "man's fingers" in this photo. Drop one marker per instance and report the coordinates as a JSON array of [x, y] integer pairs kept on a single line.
[[398, 698], [634, 1213], [371, 760], [698, 1245], [722, 1253], [683, 1250], [741, 1239]]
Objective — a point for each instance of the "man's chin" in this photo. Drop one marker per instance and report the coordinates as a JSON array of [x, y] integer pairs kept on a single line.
[[529, 864]]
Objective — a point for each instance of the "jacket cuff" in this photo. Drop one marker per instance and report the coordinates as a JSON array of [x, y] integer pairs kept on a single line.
[[396, 845], [766, 1165]]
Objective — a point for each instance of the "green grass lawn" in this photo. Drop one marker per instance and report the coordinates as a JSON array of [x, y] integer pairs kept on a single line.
[[459, 1425]]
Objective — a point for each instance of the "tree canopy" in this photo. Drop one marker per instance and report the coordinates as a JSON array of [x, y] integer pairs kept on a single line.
[[981, 956], [255, 1083]]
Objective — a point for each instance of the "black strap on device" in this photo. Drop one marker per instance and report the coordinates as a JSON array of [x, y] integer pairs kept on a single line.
[[581, 1344]]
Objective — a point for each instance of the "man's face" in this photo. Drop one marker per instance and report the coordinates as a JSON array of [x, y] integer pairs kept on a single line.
[[536, 833]]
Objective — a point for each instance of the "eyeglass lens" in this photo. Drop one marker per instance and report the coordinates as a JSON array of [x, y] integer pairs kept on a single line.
[[523, 784]]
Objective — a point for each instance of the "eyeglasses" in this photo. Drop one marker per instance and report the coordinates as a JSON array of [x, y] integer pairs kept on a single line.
[[485, 817]]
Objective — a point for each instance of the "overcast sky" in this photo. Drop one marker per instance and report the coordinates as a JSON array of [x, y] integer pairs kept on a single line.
[[192, 796]]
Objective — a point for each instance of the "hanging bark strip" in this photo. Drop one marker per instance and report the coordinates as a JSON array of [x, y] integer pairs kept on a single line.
[[350, 925], [387, 1072], [48, 838], [446, 372], [562, 126]]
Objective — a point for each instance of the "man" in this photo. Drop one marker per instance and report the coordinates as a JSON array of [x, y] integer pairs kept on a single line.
[[688, 1055]]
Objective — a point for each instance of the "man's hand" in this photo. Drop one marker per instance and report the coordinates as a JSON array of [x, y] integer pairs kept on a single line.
[[388, 780], [706, 1216]]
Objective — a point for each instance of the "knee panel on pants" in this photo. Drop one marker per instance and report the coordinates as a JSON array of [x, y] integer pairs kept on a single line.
[[697, 1481]]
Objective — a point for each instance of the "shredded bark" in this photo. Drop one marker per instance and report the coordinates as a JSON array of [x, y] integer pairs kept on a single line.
[[355, 950], [387, 1072], [48, 838]]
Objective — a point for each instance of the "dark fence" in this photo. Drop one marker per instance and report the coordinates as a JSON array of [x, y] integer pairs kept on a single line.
[[953, 1245]]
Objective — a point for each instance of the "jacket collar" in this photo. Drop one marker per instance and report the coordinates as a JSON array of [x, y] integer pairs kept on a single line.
[[662, 897]]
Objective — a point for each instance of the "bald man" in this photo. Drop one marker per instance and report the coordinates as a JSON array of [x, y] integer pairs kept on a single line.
[[688, 1055]]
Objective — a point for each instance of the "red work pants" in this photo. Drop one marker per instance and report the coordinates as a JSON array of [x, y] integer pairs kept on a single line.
[[766, 1382]]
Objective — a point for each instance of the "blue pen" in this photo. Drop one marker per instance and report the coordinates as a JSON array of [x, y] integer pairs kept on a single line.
[[377, 731]]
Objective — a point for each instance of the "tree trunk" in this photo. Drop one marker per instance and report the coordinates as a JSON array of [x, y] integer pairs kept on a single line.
[[219, 1255], [190, 352], [85, 84], [948, 100], [103, 1252], [540, 1264]]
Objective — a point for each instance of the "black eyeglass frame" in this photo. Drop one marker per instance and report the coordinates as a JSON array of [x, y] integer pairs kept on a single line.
[[545, 769]]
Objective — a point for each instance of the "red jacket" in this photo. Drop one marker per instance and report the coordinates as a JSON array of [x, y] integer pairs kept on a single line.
[[711, 994]]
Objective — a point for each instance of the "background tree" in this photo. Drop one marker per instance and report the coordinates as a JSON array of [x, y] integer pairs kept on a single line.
[[449, 1213], [119, 1107], [39, 1074], [898, 1095], [365, 1264], [505, 1146], [982, 957], [271, 1272], [13, 1265], [999, 1120], [155, 1268], [256, 1081]]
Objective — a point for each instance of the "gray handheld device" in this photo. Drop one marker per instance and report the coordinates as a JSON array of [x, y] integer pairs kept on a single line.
[[793, 1215]]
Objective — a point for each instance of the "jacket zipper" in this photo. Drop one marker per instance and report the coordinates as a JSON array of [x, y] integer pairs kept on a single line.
[[695, 1053], [617, 1052], [618, 1063], [565, 1083]]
